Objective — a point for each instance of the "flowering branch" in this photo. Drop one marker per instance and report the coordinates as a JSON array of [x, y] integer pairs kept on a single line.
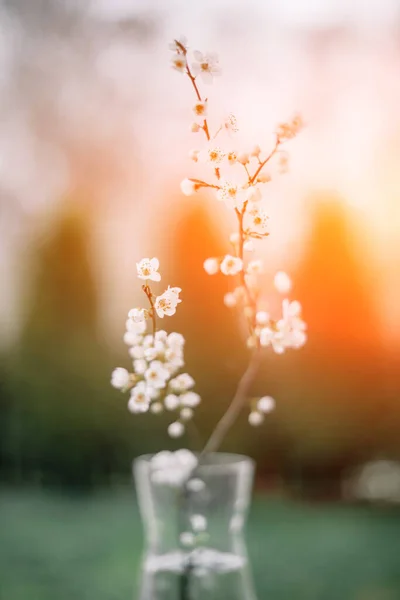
[[156, 383]]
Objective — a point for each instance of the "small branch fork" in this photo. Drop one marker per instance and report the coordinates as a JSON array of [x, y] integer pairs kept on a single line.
[[152, 311]]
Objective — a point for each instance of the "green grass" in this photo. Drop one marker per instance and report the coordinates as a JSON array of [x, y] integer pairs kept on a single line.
[[88, 548]]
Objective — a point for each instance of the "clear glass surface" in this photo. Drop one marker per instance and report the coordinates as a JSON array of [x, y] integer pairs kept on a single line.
[[194, 524]]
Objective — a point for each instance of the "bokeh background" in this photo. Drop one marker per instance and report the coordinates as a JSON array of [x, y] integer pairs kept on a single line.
[[94, 142]]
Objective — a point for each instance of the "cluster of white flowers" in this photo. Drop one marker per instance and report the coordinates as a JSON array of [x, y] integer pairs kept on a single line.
[[155, 384], [288, 332], [174, 468]]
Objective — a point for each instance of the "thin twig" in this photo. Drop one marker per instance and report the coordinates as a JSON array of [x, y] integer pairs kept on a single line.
[[264, 162]]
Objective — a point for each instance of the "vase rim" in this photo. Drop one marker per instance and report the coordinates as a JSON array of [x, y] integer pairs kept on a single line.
[[219, 460]]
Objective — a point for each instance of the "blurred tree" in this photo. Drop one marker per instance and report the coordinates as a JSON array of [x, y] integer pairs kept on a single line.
[[334, 388], [64, 424], [334, 280]]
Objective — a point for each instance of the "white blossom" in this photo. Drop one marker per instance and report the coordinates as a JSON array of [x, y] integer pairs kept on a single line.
[[248, 246], [179, 63], [148, 269], [195, 485], [172, 468], [156, 375], [174, 358], [139, 366], [171, 402], [206, 65], [266, 336], [186, 413], [140, 398], [151, 353], [214, 155], [137, 328], [195, 127], [138, 314], [231, 265], [132, 339], [234, 237], [266, 404], [230, 124], [148, 341], [251, 342], [232, 157], [200, 108], [291, 309], [156, 408], [182, 383], [172, 367], [255, 267], [231, 194], [230, 300], [211, 266], [264, 178], [120, 378], [187, 539], [194, 155], [253, 194], [177, 44], [166, 303], [256, 418], [175, 340], [282, 282], [176, 429], [291, 328], [188, 187], [157, 349], [257, 221], [190, 399], [136, 352], [161, 336], [243, 158], [198, 523], [256, 151], [185, 458], [262, 317], [289, 331]]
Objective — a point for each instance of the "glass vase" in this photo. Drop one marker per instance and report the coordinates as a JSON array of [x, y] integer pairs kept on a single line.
[[194, 517]]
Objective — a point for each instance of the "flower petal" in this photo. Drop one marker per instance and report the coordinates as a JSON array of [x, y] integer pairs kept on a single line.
[[155, 263]]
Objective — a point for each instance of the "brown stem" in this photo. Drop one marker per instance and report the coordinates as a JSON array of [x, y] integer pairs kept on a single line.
[[264, 162], [240, 397], [201, 183]]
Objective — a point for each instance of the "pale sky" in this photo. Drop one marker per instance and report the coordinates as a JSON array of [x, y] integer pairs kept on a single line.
[[336, 61]]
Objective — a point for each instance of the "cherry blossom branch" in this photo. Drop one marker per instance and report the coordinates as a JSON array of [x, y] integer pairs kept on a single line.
[[239, 399], [196, 89]]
